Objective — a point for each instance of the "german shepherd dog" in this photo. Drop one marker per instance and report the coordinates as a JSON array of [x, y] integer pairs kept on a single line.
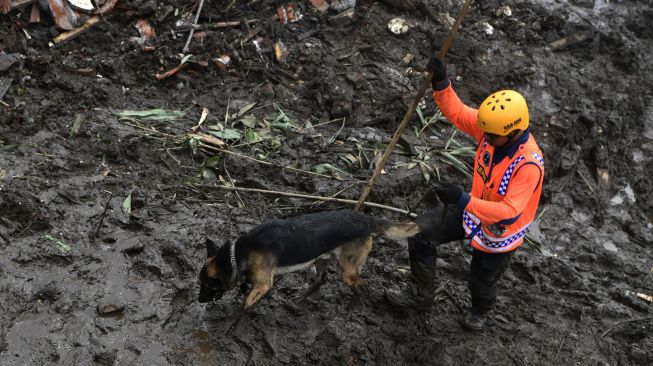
[[288, 245]]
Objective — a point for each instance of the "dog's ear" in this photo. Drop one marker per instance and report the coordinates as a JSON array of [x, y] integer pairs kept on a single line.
[[227, 243], [211, 248]]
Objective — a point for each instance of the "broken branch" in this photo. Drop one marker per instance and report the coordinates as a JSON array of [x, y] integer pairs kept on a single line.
[[213, 148], [104, 213], [65, 37], [306, 196], [611, 328], [218, 25], [411, 111], [192, 30]]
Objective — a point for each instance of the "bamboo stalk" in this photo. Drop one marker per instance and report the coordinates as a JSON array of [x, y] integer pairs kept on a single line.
[[65, 37], [213, 148], [305, 196], [411, 111]]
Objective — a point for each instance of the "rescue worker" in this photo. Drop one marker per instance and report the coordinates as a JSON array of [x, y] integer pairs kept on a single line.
[[495, 215]]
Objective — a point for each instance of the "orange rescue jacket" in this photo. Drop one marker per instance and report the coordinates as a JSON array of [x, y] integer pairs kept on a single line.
[[506, 193]]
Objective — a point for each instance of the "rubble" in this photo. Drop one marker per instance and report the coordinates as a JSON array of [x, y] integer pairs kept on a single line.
[[66, 14], [504, 11], [8, 60], [398, 26], [289, 13], [222, 62], [321, 5], [342, 5], [571, 40]]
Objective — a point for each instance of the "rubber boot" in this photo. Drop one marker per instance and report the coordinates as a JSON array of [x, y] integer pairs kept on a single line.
[[421, 291], [474, 320]]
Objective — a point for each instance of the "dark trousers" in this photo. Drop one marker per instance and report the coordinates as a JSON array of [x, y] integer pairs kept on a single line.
[[485, 272], [443, 224]]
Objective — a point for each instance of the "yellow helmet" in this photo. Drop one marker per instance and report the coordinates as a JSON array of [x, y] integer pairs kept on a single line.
[[503, 112]]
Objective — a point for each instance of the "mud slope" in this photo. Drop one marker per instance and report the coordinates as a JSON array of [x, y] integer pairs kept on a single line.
[[68, 162]]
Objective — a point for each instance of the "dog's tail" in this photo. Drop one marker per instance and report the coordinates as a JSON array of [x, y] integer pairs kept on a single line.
[[396, 231]]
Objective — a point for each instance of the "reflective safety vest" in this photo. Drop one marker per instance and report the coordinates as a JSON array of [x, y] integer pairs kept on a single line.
[[505, 190]]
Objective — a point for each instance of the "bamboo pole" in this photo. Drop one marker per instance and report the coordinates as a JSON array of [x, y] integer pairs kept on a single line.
[[306, 196], [411, 110]]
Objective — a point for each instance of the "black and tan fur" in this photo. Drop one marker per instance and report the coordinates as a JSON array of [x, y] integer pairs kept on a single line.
[[282, 246]]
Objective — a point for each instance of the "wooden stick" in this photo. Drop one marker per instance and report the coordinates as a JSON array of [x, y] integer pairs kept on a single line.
[[560, 346], [192, 30], [306, 196], [218, 25], [409, 114], [211, 147], [623, 322], [104, 213], [65, 37]]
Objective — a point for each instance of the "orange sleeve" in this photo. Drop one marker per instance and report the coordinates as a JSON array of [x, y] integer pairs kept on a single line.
[[462, 116], [520, 189]]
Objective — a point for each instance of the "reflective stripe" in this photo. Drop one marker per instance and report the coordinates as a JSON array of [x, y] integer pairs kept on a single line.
[[503, 186], [538, 157], [472, 227]]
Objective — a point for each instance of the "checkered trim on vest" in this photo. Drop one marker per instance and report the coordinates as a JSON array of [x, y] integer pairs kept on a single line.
[[503, 186], [538, 157], [471, 226]]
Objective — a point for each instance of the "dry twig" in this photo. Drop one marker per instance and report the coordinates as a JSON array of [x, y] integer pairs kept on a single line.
[[192, 30], [306, 196], [611, 328]]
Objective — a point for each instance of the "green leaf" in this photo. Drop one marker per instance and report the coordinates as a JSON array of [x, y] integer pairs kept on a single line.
[[63, 247], [425, 173], [127, 204], [274, 143], [251, 135], [194, 144], [327, 168], [8, 147], [285, 125], [185, 59], [79, 118], [420, 115], [212, 162], [245, 109], [227, 134], [248, 121], [282, 121], [152, 114]]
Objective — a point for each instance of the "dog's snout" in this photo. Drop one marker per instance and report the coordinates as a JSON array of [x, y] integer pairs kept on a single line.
[[203, 300], [208, 294]]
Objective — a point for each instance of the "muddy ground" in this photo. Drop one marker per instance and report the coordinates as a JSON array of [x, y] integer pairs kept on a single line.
[[70, 244]]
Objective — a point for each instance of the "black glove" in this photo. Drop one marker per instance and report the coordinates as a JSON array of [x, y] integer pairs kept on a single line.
[[448, 193], [438, 68]]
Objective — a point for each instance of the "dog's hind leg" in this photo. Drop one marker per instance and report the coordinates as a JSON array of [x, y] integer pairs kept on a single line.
[[352, 258], [321, 267]]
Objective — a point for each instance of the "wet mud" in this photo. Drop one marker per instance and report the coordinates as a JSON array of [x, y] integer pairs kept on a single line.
[[89, 277]]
